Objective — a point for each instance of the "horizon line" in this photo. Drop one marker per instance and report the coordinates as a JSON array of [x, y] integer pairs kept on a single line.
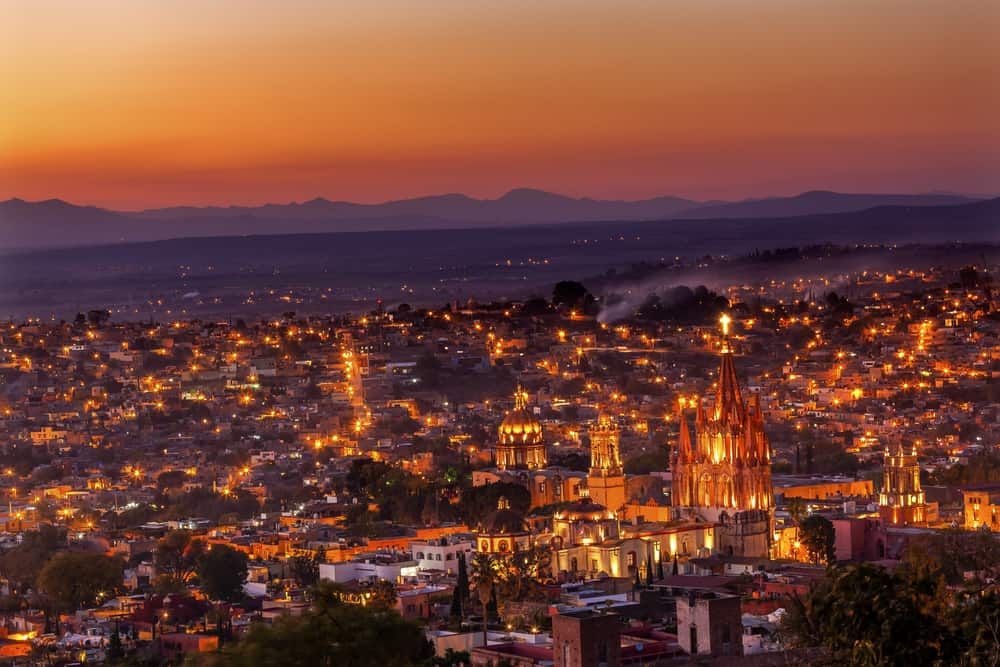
[[321, 198]]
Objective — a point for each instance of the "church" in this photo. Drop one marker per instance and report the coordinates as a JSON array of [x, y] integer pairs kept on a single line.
[[722, 473], [520, 457], [721, 502]]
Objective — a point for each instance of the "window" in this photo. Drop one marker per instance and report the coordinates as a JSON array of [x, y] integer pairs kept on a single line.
[[420, 555]]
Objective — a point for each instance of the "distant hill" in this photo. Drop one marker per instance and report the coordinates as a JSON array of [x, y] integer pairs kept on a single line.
[[55, 223], [815, 202], [339, 271], [517, 206]]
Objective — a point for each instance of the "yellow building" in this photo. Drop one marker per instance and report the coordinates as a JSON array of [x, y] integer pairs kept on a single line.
[[606, 482], [902, 502], [588, 540], [982, 506]]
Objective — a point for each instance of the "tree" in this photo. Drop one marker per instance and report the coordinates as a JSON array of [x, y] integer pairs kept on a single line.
[[461, 593], [383, 595], [864, 615], [176, 557], [305, 569], [74, 580], [519, 572], [115, 649], [332, 632], [455, 611], [818, 536], [429, 369], [952, 553], [485, 577], [222, 571], [170, 479], [98, 317], [659, 568], [453, 658], [571, 294], [797, 509], [20, 566], [643, 464]]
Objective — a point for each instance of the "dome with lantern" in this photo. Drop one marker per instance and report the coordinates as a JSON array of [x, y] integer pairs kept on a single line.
[[520, 445], [502, 531]]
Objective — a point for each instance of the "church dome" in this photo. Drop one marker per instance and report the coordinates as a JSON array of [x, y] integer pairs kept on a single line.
[[583, 510], [520, 445], [520, 426], [503, 520]]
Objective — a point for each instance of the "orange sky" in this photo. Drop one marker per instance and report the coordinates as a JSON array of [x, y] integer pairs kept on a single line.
[[137, 103]]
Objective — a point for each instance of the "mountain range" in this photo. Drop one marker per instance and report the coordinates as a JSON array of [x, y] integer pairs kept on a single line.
[[56, 223]]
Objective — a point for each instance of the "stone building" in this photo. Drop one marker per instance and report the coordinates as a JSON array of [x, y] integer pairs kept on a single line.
[[521, 458], [502, 532], [901, 501], [606, 481], [586, 639], [710, 624], [723, 473]]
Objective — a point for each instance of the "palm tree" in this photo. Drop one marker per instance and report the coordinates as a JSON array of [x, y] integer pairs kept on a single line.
[[796, 509], [484, 576]]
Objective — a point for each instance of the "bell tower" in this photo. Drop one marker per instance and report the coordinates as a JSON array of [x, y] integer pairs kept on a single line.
[[606, 481], [901, 501], [722, 471]]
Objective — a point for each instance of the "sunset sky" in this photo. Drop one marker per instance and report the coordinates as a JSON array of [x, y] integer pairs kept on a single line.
[[137, 103]]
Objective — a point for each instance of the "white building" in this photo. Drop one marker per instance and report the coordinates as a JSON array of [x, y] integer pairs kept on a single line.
[[368, 569], [433, 555]]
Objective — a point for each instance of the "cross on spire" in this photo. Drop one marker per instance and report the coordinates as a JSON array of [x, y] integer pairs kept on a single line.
[[520, 398], [724, 321]]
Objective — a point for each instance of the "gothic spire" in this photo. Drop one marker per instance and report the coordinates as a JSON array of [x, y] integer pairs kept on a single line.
[[728, 401], [684, 450]]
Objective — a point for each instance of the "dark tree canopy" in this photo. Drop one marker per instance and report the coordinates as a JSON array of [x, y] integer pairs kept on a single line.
[[818, 537], [571, 294], [332, 632], [78, 579], [222, 570], [865, 615]]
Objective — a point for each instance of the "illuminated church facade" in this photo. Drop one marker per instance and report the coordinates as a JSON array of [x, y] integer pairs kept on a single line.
[[606, 481], [520, 457], [722, 471], [901, 501]]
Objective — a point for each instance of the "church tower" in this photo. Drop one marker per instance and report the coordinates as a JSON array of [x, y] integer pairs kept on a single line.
[[901, 501], [722, 473], [606, 481]]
